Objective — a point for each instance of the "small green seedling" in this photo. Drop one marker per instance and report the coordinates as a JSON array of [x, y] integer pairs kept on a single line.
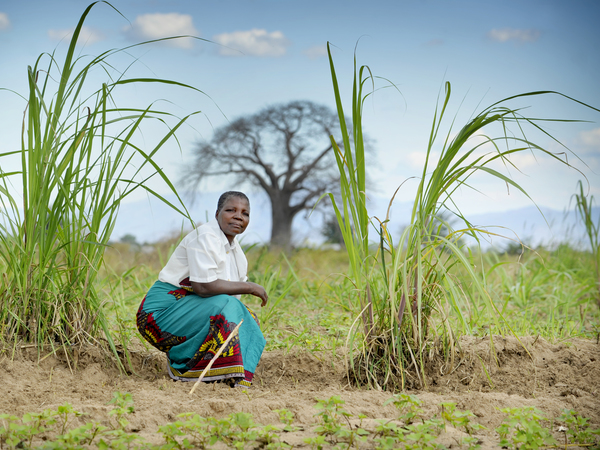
[[577, 428], [421, 436], [523, 429], [316, 443], [330, 415], [123, 406], [286, 417], [409, 403], [459, 419]]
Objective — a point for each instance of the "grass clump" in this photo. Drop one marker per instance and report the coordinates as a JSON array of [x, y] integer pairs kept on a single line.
[[78, 161], [414, 298]]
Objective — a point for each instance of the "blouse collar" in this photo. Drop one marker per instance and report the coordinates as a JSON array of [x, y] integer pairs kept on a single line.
[[215, 225]]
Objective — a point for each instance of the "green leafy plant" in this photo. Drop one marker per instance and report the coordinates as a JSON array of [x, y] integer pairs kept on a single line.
[[316, 442], [387, 428], [120, 440], [330, 415], [267, 436], [410, 436], [190, 431], [523, 429], [54, 430], [286, 417], [409, 405], [247, 429], [13, 432], [578, 428], [77, 437], [422, 435], [459, 419], [171, 432], [123, 406], [462, 419], [221, 429], [237, 430], [386, 443], [353, 435], [52, 427], [471, 442]]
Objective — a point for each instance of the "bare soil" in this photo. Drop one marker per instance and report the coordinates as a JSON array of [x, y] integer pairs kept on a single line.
[[532, 372]]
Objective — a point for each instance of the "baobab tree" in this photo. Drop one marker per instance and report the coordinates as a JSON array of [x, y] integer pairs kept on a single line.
[[285, 150]]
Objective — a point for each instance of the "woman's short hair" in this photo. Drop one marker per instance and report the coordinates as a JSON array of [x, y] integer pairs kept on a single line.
[[225, 196]]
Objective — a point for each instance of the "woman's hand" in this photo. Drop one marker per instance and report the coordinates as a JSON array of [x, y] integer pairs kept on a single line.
[[259, 291]]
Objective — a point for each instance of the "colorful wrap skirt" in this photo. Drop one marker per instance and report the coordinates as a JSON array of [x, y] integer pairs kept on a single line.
[[191, 329]]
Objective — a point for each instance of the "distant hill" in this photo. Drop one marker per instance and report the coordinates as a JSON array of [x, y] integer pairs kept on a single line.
[[535, 227], [150, 220]]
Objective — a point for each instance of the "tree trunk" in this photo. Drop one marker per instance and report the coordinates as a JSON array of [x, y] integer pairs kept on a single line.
[[282, 217], [281, 230]]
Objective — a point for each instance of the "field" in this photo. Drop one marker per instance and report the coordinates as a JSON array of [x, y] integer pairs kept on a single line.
[[417, 342], [554, 366]]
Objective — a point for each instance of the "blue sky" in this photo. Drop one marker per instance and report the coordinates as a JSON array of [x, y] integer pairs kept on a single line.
[[274, 51]]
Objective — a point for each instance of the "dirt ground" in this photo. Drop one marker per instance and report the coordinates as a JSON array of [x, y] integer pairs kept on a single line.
[[551, 377]]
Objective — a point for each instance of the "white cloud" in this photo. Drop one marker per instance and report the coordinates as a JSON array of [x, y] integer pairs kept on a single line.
[[316, 51], [513, 34], [591, 137], [4, 22], [521, 161], [157, 26], [417, 159], [86, 35], [254, 42]]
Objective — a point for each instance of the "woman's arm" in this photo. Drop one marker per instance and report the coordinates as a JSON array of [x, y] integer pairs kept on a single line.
[[230, 288]]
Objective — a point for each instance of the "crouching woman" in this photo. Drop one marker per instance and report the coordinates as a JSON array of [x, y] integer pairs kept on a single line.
[[195, 304]]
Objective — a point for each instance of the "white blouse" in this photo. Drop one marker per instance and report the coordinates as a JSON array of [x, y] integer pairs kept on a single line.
[[205, 255]]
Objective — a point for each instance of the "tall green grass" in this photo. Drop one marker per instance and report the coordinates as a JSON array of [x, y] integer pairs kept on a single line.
[[78, 161], [545, 293], [583, 207], [401, 285]]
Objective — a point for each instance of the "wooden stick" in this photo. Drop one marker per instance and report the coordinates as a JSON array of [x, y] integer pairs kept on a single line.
[[229, 338]]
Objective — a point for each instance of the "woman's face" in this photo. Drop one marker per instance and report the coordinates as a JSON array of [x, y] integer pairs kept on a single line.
[[234, 217]]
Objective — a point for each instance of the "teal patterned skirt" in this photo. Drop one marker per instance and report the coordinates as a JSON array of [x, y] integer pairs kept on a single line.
[[191, 329]]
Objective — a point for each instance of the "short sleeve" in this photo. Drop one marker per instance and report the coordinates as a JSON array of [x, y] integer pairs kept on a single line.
[[206, 258]]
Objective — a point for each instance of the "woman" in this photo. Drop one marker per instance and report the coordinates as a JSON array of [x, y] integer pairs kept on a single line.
[[190, 311]]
